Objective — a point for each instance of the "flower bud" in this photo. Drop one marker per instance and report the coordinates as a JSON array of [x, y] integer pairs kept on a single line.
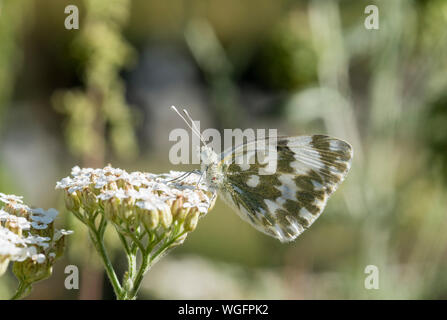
[[125, 213], [89, 199], [4, 261], [191, 220], [29, 271], [120, 184], [112, 186], [72, 201], [111, 210], [182, 214], [176, 205], [165, 217], [149, 218], [16, 209], [13, 226]]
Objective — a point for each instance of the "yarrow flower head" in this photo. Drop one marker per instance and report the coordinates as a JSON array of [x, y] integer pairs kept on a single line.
[[158, 205], [28, 238], [151, 213]]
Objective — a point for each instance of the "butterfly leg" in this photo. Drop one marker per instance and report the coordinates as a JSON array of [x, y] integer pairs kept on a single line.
[[182, 176], [186, 174], [212, 200], [200, 179]]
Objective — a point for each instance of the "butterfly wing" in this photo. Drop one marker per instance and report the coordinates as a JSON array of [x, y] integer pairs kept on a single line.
[[287, 200]]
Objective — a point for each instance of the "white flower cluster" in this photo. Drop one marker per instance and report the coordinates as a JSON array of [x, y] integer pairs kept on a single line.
[[154, 200], [26, 233]]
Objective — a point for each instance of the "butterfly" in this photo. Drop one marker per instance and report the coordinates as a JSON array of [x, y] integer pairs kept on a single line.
[[285, 201]]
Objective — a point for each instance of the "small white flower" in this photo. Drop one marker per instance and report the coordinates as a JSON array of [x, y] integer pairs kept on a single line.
[[75, 171], [109, 194], [38, 241], [39, 258], [38, 225], [101, 182], [64, 183], [19, 239], [8, 198], [42, 216], [60, 233], [19, 222], [145, 205], [161, 187], [19, 206]]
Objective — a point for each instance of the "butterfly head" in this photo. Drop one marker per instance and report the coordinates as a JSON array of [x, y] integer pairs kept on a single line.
[[209, 159], [208, 156]]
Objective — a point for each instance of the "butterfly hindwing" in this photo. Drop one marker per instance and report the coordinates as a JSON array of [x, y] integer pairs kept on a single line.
[[284, 202]]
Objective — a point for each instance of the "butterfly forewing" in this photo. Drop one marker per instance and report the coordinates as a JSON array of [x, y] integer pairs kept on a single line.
[[283, 202]]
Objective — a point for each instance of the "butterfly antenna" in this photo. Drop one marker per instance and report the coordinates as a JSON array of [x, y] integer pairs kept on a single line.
[[194, 125], [191, 125]]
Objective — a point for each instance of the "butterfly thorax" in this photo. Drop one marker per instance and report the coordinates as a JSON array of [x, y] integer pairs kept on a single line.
[[211, 169]]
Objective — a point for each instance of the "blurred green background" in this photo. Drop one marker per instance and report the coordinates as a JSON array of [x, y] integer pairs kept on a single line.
[[101, 94]]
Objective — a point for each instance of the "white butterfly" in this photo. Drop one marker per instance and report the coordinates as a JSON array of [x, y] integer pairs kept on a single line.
[[288, 200]]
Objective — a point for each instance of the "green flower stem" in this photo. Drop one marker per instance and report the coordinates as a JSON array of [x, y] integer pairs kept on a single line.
[[144, 267], [148, 261], [124, 243], [133, 261], [23, 290], [136, 240], [128, 289], [97, 237], [129, 276]]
